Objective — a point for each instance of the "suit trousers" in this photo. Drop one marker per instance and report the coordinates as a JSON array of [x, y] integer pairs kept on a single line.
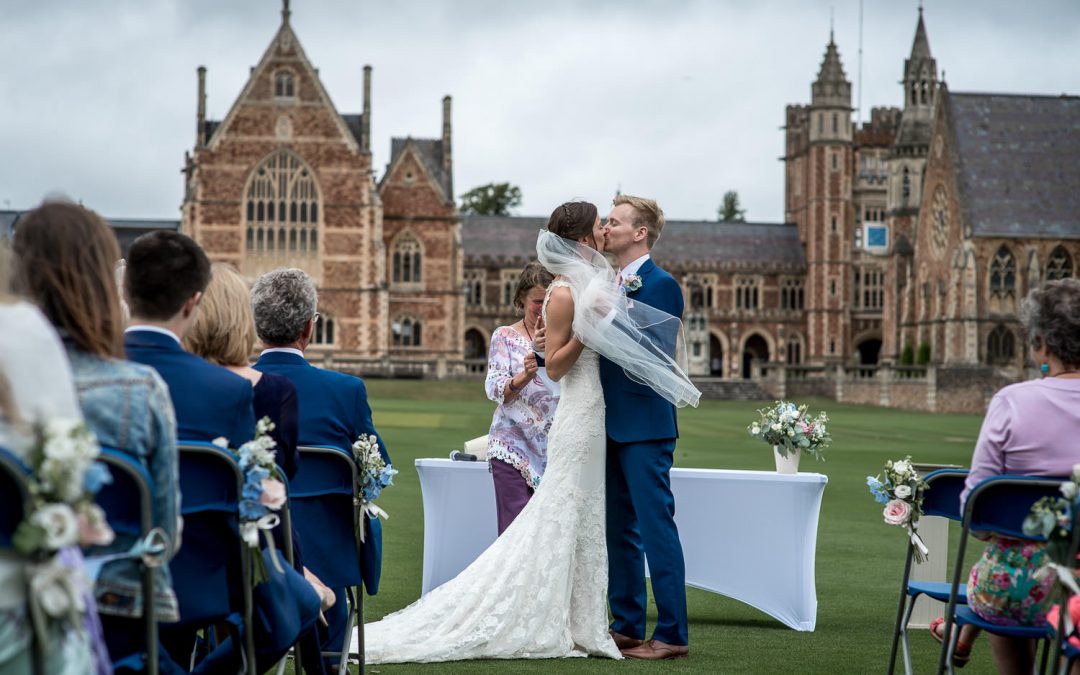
[[640, 523]]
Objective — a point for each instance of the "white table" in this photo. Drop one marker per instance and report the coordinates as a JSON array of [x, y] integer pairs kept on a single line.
[[749, 535]]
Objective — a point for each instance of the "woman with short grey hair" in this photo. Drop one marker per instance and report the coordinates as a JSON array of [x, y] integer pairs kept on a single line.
[[283, 301], [1030, 429]]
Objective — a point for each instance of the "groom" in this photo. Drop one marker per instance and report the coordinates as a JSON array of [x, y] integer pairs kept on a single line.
[[641, 433]]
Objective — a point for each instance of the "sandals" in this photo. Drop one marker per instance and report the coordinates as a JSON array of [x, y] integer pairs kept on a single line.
[[962, 652]]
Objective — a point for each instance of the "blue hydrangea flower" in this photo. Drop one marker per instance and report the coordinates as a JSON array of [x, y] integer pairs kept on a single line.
[[96, 476]]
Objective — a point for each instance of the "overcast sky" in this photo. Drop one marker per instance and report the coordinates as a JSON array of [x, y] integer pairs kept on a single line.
[[675, 99]]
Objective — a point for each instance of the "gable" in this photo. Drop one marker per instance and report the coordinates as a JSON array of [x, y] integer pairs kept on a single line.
[[411, 167]]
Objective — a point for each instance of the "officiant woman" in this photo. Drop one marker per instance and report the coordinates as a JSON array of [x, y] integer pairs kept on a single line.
[[526, 398]]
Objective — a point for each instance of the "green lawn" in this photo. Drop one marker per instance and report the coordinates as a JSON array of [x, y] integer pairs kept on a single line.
[[859, 558]]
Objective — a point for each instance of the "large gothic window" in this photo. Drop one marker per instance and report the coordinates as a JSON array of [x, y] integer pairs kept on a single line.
[[406, 260], [282, 207], [1000, 345], [1060, 265], [406, 331], [1003, 274]]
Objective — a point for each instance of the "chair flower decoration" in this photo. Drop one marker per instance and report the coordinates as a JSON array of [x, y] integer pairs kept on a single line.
[[372, 476], [789, 428], [1054, 519], [900, 489]]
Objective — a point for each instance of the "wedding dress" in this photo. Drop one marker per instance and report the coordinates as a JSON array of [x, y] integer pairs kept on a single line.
[[539, 591]]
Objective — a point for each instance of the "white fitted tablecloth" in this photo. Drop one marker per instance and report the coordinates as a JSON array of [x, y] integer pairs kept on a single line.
[[749, 535]]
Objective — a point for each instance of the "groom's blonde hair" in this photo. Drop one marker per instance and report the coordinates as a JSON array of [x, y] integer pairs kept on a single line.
[[646, 212]]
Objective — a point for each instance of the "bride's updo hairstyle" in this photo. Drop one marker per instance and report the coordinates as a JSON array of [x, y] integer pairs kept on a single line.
[[573, 220]]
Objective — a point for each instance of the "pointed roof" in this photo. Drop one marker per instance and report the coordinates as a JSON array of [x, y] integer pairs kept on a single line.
[[284, 44], [920, 48], [831, 88], [428, 152]]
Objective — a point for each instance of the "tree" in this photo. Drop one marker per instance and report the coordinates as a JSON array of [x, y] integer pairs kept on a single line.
[[729, 211], [493, 199]]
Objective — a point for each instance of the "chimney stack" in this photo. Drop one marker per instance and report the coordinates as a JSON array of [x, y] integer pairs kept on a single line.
[[365, 144], [448, 162], [200, 129]]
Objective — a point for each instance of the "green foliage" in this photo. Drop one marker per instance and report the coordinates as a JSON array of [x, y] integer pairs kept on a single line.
[[493, 199], [907, 355], [923, 357], [859, 562], [729, 211]]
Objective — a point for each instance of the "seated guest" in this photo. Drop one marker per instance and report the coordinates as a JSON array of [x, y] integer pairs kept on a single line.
[[35, 386], [66, 255], [517, 441], [164, 281], [224, 334], [1016, 438], [334, 409]]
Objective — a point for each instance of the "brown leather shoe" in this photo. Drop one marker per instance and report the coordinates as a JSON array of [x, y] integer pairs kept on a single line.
[[624, 642], [654, 650]]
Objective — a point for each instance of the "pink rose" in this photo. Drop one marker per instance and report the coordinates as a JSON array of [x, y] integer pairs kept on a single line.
[[94, 529], [273, 494], [897, 512]]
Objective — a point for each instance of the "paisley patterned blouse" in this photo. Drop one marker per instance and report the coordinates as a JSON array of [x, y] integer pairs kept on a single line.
[[519, 429]]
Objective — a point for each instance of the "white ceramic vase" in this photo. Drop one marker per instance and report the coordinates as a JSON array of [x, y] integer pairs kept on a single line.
[[788, 464]]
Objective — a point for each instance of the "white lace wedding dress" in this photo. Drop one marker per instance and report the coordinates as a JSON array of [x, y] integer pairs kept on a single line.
[[539, 591]]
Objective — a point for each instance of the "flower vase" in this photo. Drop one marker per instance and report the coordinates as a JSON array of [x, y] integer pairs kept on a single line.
[[788, 464]]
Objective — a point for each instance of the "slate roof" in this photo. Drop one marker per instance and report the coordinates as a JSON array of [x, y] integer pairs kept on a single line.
[[430, 151], [126, 230], [511, 240], [355, 123], [1017, 163]]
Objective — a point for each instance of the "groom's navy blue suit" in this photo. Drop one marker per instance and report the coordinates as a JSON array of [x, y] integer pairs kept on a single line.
[[641, 433]]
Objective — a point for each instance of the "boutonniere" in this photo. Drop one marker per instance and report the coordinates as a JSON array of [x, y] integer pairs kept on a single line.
[[631, 282]]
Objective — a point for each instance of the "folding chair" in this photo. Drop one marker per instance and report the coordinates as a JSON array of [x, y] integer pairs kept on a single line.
[[127, 502], [997, 505], [213, 562], [326, 508], [942, 498], [14, 493]]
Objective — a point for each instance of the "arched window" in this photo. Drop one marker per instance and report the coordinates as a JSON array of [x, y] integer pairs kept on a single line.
[[1000, 345], [407, 260], [324, 330], [1060, 265], [281, 186], [284, 84], [1003, 274], [406, 331]]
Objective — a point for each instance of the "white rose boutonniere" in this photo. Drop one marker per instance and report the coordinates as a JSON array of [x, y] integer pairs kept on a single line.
[[631, 282]]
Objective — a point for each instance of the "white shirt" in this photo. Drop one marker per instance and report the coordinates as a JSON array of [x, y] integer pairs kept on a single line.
[[154, 329], [285, 350], [633, 266]]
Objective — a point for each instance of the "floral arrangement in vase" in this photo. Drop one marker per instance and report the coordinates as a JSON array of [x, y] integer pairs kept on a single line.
[[791, 430], [899, 488]]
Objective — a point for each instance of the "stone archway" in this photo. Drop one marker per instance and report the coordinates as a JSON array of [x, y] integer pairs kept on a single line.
[[475, 346], [755, 354], [716, 357], [869, 351]]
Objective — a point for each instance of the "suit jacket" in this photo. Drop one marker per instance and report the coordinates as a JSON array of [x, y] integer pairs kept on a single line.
[[209, 400], [333, 411], [636, 413]]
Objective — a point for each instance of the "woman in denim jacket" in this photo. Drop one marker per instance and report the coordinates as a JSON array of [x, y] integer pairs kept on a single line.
[[65, 256]]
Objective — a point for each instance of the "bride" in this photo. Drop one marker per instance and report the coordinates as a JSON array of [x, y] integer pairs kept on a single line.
[[540, 591]]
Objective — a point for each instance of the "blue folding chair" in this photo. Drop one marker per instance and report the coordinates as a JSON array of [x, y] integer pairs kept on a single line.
[[997, 505], [942, 498], [14, 495], [326, 508], [128, 505], [212, 570]]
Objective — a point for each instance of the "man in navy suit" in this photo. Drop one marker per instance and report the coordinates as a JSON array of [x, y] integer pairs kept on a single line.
[[334, 409], [164, 280], [641, 433]]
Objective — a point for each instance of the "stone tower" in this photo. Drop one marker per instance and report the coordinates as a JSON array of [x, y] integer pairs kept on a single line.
[[828, 220], [286, 181]]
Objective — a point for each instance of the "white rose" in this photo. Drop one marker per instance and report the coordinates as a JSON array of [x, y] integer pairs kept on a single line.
[[249, 532], [903, 467], [795, 414], [776, 427], [755, 430], [902, 492], [1068, 490], [59, 523]]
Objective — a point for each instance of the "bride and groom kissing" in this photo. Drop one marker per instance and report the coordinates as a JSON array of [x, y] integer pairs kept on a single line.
[[543, 588]]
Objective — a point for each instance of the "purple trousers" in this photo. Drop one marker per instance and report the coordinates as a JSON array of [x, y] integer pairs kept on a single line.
[[512, 493]]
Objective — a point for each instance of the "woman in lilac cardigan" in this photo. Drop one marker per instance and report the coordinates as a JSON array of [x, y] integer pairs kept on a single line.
[[1030, 429]]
